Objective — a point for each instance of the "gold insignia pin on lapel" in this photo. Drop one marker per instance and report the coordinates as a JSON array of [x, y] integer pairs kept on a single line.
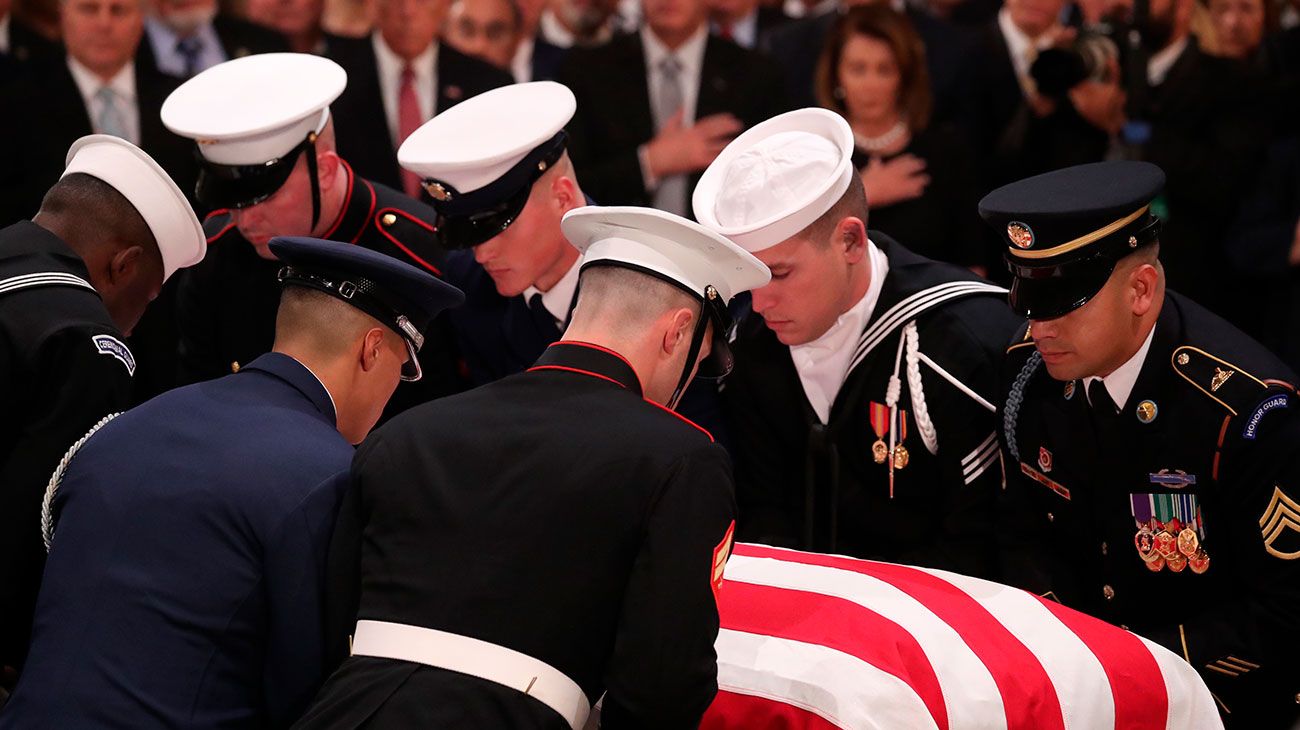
[[1146, 411], [1220, 377], [1184, 358]]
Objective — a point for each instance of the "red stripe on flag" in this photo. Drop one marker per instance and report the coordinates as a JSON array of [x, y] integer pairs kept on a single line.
[[1027, 691], [815, 618], [732, 711], [1141, 699]]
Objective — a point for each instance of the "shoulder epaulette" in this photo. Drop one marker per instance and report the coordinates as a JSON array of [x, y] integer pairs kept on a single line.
[[217, 224], [1221, 381]]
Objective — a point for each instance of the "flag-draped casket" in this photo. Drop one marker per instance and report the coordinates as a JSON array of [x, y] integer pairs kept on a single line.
[[824, 642]]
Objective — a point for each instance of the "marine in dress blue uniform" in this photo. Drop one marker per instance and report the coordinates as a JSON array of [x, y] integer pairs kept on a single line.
[[64, 362], [1156, 489], [188, 536], [508, 555]]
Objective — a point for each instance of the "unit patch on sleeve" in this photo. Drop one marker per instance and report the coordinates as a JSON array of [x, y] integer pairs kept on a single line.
[[113, 347]]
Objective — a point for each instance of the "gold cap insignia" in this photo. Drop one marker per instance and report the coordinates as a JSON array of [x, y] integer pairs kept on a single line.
[[1220, 377], [1020, 234], [1146, 411], [437, 191]]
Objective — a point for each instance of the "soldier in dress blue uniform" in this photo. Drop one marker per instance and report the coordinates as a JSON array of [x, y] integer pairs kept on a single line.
[[1153, 474], [187, 537], [507, 555], [264, 131], [861, 409], [73, 281], [497, 171]]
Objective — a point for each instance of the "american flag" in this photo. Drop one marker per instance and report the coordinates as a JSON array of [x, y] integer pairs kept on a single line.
[[824, 642]]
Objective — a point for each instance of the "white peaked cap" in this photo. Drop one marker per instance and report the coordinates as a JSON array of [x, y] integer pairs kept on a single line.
[[480, 139], [665, 244], [149, 189], [255, 109], [776, 179]]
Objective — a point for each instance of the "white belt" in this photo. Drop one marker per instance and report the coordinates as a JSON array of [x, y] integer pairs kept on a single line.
[[481, 659]]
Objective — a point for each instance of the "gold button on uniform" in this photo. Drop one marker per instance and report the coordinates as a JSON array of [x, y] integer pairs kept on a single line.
[[389, 219], [1108, 592], [1103, 548], [1051, 517], [234, 366]]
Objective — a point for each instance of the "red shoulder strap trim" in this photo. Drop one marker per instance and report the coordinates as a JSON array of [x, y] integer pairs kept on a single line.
[[688, 421], [378, 216]]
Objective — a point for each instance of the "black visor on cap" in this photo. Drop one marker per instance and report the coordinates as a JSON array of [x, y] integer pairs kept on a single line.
[[720, 360], [364, 295], [468, 219], [239, 186]]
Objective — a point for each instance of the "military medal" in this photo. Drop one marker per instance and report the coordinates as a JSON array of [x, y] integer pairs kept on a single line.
[[1156, 565], [900, 456], [1145, 539], [880, 425], [879, 452], [1166, 544], [1199, 562], [1146, 544], [1188, 543], [1176, 562]]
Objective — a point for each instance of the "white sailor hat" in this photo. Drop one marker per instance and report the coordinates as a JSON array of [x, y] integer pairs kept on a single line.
[[134, 174], [680, 252], [480, 158], [251, 117], [777, 178]]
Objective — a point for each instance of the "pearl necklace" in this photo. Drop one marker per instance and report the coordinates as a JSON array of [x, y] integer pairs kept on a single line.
[[884, 141]]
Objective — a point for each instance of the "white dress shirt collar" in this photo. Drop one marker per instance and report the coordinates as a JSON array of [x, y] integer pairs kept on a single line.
[[5, 44], [122, 84], [521, 67], [823, 364], [390, 67], [689, 55], [559, 298], [1023, 49], [744, 31], [1162, 61], [1120, 383]]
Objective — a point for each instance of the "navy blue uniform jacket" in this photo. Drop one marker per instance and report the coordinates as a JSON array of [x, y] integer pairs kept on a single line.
[[184, 582]]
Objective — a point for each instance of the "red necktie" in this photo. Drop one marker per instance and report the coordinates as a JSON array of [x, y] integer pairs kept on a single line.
[[725, 31], [408, 120]]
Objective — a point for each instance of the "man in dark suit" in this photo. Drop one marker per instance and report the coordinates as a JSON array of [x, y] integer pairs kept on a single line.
[[185, 37], [655, 107], [744, 21], [398, 78], [1152, 473], [495, 31], [20, 44], [72, 281], [861, 406], [495, 587], [271, 168], [187, 537]]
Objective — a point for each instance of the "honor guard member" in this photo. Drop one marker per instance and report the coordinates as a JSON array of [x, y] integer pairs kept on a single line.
[[860, 410], [265, 135], [497, 171], [1152, 466], [73, 281], [188, 536], [508, 581]]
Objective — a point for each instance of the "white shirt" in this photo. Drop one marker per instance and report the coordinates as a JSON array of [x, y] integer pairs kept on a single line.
[[390, 82], [1120, 383], [560, 296], [824, 363], [744, 31], [554, 32], [1159, 64], [797, 8], [521, 67], [122, 84], [690, 57], [1023, 48], [4, 33]]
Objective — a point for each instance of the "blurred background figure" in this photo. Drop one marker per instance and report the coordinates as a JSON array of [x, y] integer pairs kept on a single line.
[[919, 177], [188, 36], [299, 21], [398, 78], [1239, 27], [19, 43], [743, 21], [568, 23], [349, 18], [498, 32]]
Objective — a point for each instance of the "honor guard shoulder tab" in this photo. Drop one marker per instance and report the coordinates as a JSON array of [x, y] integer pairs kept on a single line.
[[1223, 382]]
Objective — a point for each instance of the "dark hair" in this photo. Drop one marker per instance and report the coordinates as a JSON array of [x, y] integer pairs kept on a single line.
[[852, 203], [892, 28], [92, 210]]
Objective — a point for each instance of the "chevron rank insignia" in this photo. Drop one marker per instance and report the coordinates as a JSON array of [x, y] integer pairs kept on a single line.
[[1280, 526]]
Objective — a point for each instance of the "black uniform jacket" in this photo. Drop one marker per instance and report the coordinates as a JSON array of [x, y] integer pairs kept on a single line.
[[63, 366], [227, 303], [556, 513], [801, 483], [1212, 422]]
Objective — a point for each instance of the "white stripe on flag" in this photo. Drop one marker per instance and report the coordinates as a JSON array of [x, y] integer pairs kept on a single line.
[[841, 688], [972, 698], [1077, 675], [1194, 708]]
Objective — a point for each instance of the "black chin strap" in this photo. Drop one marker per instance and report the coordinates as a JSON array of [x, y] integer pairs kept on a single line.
[[697, 340], [315, 180]]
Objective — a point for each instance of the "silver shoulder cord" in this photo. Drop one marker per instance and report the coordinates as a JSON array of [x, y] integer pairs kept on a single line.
[[47, 504]]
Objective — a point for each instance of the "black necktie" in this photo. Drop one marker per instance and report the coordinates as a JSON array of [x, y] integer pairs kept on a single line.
[[1102, 404], [190, 48]]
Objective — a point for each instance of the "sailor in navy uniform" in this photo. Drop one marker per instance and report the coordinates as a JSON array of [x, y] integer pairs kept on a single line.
[[263, 128], [520, 549], [500, 180], [188, 536], [73, 280], [860, 409], [1152, 468]]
